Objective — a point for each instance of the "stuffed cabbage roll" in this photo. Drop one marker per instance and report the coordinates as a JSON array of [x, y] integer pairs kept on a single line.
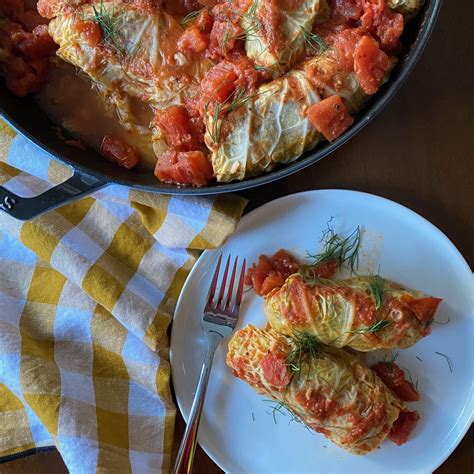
[[327, 389], [279, 45], [363, 313], [132, 58], [271, 126]]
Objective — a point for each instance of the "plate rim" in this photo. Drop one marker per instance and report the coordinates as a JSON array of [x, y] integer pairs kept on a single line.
[[470, 401]]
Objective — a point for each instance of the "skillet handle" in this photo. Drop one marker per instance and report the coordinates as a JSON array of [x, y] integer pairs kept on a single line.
[[22, 208]]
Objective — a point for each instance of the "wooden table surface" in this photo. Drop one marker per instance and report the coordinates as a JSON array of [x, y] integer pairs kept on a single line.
[[419, 152]]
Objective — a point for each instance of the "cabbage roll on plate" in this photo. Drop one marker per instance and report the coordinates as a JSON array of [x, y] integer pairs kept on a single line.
[[326, 389]]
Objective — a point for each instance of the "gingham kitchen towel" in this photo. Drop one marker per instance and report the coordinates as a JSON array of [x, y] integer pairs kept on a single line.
[[86, 296]]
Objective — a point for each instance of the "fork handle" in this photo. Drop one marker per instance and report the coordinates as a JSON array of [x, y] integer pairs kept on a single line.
[[187, 448]]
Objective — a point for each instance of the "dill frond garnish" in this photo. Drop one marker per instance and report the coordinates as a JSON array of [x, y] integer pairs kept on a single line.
[[252, 30], [111, 26], [377, 326], [313, 41], [189, 18], [335, 248], [253, 417], [282, 407], [443, 322], [415, 384], [448, 360], [306, 345], [221, 109], [421, 360], [377, 285]]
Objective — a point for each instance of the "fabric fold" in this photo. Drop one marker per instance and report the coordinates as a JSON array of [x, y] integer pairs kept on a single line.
[[87, 292]]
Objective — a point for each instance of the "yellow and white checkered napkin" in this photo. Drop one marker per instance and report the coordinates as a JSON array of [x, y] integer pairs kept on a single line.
[[86, 296]]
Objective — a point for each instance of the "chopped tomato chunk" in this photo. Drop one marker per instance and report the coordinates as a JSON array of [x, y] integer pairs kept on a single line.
[[425, 308], [370, 64], [403, 426], [37, 44], [90, 31], [175, 123], [394, 378], [383, 22], [205, 21], [270, 273], [31, 19], [275, 370], [193, 40], [190, 167], [119, 152], [330, 117]]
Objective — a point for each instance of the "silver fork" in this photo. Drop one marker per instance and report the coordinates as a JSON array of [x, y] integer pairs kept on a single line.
[[219, 321]]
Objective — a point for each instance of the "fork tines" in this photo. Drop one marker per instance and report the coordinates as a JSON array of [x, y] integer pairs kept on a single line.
[[228, 300]]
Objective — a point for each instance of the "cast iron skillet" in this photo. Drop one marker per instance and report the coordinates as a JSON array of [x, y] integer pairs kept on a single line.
[[91, 171]]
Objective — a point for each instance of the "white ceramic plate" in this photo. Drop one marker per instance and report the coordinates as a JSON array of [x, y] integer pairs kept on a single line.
[[237, 428]]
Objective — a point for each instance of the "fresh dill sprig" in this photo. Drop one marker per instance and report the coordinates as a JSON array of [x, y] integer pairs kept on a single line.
[[421, 360], [253, 28], [189, 18], [110, 25], [306, 345], [448, 360], [253, 417], [377, 286], [281, 407], [443, 322], [344, 251], [313, 41], [415, 384], [377, 326], [221, 109]]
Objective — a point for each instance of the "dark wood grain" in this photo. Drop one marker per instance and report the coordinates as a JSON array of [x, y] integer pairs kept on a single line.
[[419, 152]]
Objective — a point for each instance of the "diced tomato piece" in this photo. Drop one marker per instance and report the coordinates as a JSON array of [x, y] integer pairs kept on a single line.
[[227, 34], [193, 40], [383, 22], [116, 150], [272, 281], [190, 167], [37, 44], [345, 10], [345, 43], [275, 370], [330, 117], [219, 83], [284, 263], [403, 426], [177, 127], [394, 378], [425, 308], [90, 31], [205, 21], [270, 273], [31, 19], [370, 64], [51, 8], [270, 20]]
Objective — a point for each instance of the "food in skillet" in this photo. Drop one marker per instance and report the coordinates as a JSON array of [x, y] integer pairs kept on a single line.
[[208, 89], [326, 389], [364, 313]]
